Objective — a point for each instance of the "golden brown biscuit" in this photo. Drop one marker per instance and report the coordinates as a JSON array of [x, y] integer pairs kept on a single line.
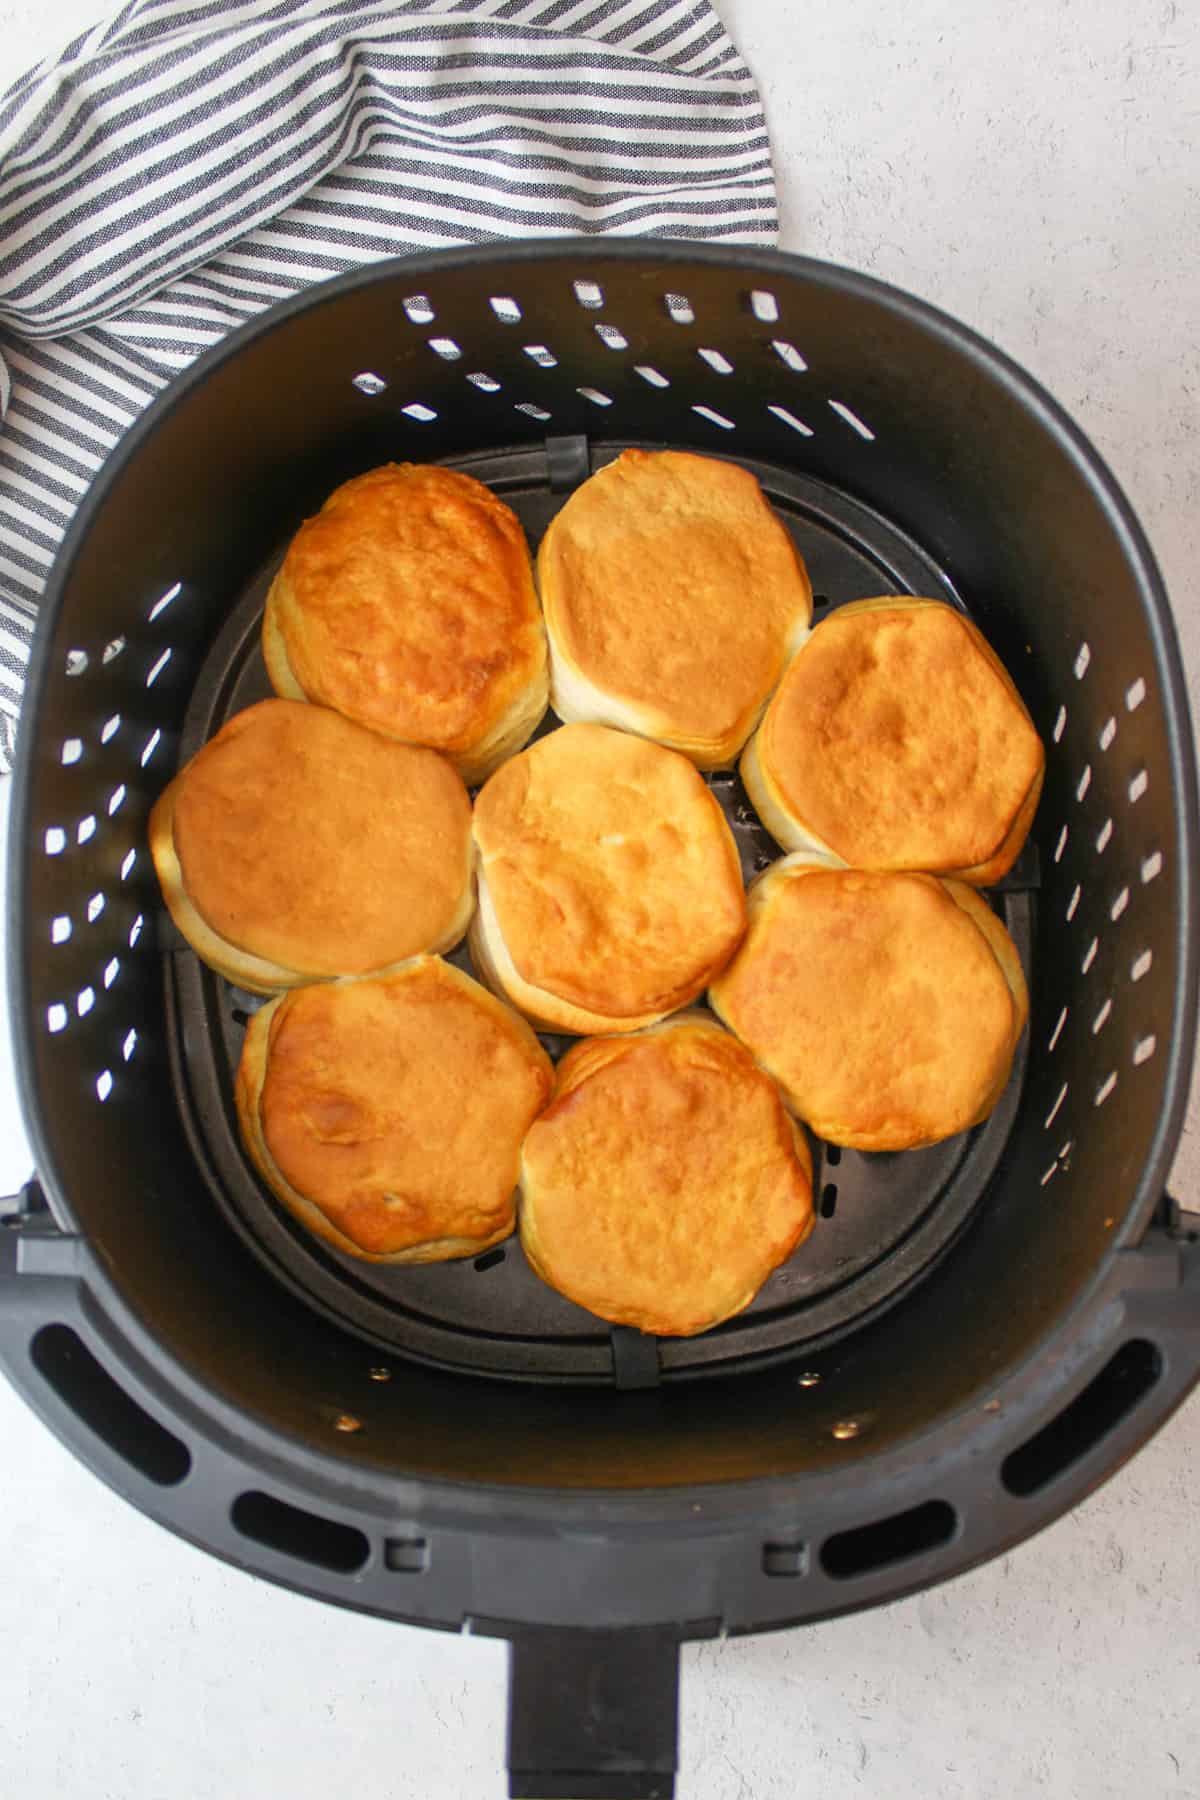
[[387, 1115], [896, 740], [297, 846], [887, 1006], [408, 604], [609, 886], [674, 598], [664, 1181]]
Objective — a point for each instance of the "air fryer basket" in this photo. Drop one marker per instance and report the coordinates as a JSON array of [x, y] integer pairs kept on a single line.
[[976, 1335]]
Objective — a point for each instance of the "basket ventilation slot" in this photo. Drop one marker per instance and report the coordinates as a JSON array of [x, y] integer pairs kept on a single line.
[[1076, 1431], [892, 1540], [85, 1386], [292, 1531]]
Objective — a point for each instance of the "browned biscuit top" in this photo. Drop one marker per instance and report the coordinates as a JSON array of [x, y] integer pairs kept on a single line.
[[613, 874], [397, 1106], [665, 1180], [407, 603], [669, 583], [897, 739], [318, 845], [886, 1005]]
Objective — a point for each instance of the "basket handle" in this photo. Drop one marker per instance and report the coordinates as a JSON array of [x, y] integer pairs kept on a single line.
[[593, 1715]]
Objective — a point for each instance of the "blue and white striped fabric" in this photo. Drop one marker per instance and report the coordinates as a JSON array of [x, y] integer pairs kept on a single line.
[[189, 162]]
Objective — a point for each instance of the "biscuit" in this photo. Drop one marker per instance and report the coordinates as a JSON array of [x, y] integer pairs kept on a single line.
[[897, 740], [407, 603], [665, 1180], [610, 890], [387, 1115], [888, 1006], [298, 846], [673, 598]]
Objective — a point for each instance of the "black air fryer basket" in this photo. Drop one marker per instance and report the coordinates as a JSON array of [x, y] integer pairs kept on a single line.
[[975, 1336]]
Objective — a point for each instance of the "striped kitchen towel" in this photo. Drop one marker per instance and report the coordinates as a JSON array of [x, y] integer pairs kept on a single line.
[[188, 162]]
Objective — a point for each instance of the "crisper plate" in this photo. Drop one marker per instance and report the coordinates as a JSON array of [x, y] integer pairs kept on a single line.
[[883, 1219]]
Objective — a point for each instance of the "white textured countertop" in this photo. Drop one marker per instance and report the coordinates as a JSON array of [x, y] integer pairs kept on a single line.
[[1033, 169]]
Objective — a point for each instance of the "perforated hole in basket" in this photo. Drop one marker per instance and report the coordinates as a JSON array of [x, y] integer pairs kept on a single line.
[[649, 374], [611, 338], [852, 420], [714, 417], [446, 348], [717, 361], [164, 601], [764, 306], [1058, 1027], [789, 418], [367, 382], [679, 309], [542, 355], [1105, 1089], [789, 356], [487, 384]]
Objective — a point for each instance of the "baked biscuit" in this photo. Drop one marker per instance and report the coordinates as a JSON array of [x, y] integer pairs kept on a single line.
[[297, 846], [387, 1115], [665, 1180], [408, 604], [609, 886], [887, 1006], [896, 740], [673, 598]]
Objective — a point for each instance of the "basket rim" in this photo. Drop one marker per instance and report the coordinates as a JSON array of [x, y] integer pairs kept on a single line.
[[669, 255]]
